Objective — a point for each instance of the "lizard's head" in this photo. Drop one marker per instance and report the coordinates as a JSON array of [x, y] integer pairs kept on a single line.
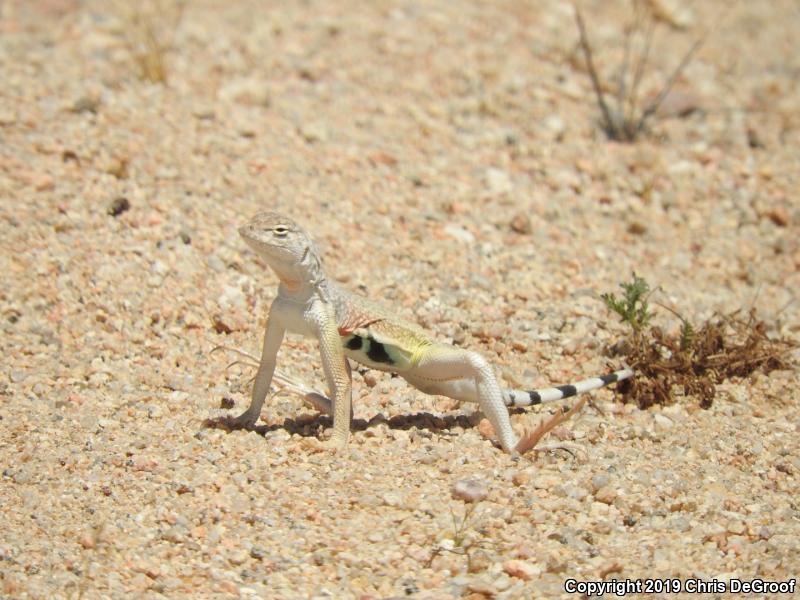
[[287, 248]]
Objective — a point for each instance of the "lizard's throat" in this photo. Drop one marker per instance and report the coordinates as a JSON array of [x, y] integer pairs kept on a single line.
[[295, 282], [292, 285]]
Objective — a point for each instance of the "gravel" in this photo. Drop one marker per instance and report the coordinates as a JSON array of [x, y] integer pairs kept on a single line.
[[447, 160]]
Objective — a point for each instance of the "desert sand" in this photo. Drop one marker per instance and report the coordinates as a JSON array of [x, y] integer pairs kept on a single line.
[[447, 157]]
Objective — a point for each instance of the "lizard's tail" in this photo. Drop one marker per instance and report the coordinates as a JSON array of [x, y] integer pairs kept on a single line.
[[551, 394]]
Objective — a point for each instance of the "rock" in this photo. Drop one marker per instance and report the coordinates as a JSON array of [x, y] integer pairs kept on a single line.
[[637, 228], [175, 534], [575, 492], [679, 104], [521, 223], [159, 268], [470, 490], [672, 12], [238, 557], [498, 181], [606, 495], [232, 297], [680, 523], [88, 104], [555, 125], [313, 132], [599, 481], [392, 499], [459, 233], [779, 216], [249, 91], [87, 541], [520, 478], [118, 206], [204, 112], [116, 166], [485, 429], [521, 569], [662, 423], [7, 117], [481, 587], [736, 527], [41, 182]]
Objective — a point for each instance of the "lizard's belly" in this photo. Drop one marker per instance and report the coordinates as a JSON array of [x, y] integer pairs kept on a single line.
[[362, 347]]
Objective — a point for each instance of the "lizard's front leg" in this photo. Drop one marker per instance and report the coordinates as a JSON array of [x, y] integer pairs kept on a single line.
[[336, 371], [273, 336]]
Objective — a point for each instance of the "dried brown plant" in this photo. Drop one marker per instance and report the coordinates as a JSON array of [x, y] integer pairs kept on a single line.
[[724, 347], [624, 116], [148, 30]]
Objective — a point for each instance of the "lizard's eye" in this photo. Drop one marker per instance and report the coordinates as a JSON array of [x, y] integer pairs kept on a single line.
[[280, 231]]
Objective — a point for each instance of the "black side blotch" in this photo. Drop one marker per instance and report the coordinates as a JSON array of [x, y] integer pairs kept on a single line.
[[354, 343], [377, 353], [535, 398]]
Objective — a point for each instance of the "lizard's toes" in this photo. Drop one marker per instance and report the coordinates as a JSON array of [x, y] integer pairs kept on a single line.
[[243, 421], [316, 445], [319, 402], [337, 442]]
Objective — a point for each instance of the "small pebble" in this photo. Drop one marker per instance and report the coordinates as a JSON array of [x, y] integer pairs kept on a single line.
[[118, 206], [470, 490], [521, 569], [521, 223]]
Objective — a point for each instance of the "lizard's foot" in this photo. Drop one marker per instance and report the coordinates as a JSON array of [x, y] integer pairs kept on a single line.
[[338, 439], [319, 402], [246, 420], [333, 445]]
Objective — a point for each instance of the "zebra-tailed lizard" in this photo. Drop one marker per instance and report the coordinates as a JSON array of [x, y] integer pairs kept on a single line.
[[350, 327]]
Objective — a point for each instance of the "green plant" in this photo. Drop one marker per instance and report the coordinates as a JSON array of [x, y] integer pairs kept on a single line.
[[632, 307], [462, 541], [697, 358], [688, 335]]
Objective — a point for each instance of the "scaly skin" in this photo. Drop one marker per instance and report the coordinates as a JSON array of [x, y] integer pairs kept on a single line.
[[348, 326]]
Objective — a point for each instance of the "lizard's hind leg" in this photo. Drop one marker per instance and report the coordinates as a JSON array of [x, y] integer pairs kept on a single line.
[[463, 390], [466, 376], [319, 401]]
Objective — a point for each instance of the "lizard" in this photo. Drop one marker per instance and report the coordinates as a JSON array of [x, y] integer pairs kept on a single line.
[[351, 327]]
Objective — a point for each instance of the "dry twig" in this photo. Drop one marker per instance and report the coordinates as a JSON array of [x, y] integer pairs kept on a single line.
[[627, 120]]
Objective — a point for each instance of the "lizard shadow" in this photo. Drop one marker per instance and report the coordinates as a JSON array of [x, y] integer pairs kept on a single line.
[[311, 425]]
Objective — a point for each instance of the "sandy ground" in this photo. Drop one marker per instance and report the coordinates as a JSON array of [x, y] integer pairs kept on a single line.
[[447, 159]]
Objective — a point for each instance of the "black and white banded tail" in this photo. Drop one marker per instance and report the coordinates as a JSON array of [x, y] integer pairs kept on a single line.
[[551, 394]]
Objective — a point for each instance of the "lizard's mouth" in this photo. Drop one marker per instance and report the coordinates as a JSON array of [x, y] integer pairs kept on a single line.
[[268, 252]]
